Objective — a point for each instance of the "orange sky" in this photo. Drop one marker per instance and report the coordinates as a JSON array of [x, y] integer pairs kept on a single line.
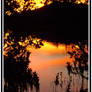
[[47, 56]]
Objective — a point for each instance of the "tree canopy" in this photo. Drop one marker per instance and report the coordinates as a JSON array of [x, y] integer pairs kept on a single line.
[[79, 64], [16, 60]]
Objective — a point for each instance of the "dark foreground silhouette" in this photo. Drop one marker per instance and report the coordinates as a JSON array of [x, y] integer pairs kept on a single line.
[[18, 77], [58, 22]]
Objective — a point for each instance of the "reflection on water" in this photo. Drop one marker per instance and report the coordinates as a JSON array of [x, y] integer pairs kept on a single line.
[[50, 63], [51, 74]]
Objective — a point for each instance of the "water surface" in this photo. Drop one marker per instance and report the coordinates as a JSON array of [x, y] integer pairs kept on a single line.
[[49, 60]]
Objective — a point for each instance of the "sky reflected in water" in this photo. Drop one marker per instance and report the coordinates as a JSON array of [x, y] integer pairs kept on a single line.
[[49, 60]]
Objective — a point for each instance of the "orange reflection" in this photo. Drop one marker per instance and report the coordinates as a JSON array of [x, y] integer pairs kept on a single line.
[[45, 63]]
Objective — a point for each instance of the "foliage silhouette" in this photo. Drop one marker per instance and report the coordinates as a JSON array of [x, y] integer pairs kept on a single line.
[[16, 60], [78, 67], [69, 86], [57, 79], [69, 68], [80, 64]]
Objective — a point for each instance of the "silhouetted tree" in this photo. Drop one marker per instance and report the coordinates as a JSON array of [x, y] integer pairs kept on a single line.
[[57, 79], [80, 54], [16, 61], [36, 81], [79, 65], [68, 86], [69, 67]]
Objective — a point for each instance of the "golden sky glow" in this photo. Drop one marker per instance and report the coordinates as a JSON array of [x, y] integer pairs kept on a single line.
[[49, 48], [81, 1], [48, 55], [26, 5], [28, 43]]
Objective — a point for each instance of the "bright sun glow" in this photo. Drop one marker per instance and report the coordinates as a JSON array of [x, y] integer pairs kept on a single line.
[[81, 1], [26, 5]]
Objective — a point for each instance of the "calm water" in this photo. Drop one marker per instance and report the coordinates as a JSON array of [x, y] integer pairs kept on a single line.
[[47, 62]]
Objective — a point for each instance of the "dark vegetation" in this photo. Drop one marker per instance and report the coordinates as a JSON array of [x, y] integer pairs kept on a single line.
[[80, 64], [17, 74], [77, 68], [58, 22]]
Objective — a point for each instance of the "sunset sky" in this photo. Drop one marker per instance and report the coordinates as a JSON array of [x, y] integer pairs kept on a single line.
[[34, 4], [48, 55]]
